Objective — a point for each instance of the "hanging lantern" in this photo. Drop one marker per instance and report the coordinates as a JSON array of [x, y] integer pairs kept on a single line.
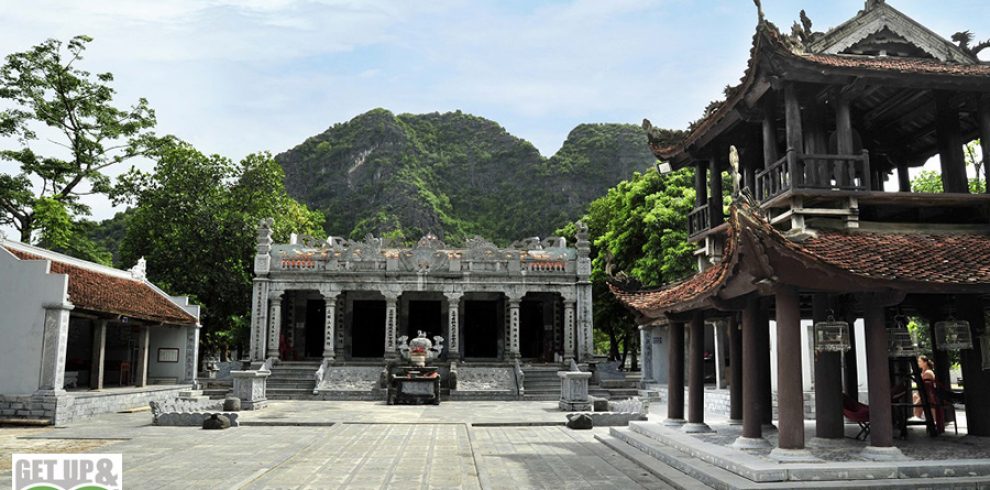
[[832, 335], [900, 342], [952, 334]]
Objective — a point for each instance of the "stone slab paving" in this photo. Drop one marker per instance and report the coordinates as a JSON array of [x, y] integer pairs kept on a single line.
[[361, 445]]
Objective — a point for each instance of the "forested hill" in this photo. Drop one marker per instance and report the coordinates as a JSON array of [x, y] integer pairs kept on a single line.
[[455, 175]]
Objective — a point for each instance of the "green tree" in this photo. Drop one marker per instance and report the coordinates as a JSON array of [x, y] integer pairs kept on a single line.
[[639, 227], [48, 97], [195, 221]]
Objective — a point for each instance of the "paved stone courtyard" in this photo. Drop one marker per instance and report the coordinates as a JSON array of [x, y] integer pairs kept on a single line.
[[357, 445]]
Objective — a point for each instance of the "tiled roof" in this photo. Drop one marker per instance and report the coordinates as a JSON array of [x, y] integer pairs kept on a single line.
[[652, 304], [90, 289], [916, 66], [943, 259]]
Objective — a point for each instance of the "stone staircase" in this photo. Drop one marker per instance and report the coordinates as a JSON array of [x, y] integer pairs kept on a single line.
[[292, 380], [540, 383]]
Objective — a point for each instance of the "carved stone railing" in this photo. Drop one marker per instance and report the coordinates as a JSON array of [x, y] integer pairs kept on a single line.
[[814, 172], [699, 221]]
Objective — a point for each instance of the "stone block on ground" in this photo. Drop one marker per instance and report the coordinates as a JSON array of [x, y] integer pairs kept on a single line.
[[216, 422], [232, 404], [580, 421], [599, 404]]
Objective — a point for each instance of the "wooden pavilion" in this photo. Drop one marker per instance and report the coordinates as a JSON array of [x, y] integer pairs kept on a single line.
[[818, 123]]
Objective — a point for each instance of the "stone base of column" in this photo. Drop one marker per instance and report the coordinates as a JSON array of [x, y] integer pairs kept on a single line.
[[673, 422], [391, 355], [793, 456], [328, 356], [735, 422], [769, 428], [696, 428], [874, 453], [743, 442]]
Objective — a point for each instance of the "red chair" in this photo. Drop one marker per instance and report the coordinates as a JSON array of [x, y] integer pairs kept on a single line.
[[859, 413]]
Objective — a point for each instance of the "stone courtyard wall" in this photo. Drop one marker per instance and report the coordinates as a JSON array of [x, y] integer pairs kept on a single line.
[[67, 407]]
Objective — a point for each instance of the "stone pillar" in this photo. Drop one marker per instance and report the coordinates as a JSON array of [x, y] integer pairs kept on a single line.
[[274, 324], [735, 372], [391, 324], [259, 319], [192, 354], [585, 321], [696, 376], [718, 337], [144, 338], [878, 377], [752, 403], [646, 348], [329, 325], [790, 392], [453, 325], [675, 379], [56, 340], [569, 330], [828, 382], [513, 334], [99, 354]]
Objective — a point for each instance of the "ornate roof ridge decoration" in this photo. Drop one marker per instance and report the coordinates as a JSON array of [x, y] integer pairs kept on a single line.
[[813, 49]]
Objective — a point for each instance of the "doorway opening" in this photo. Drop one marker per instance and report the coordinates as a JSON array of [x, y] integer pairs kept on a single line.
[[315, 328], [426, 316], [368, 328], [481, 319]]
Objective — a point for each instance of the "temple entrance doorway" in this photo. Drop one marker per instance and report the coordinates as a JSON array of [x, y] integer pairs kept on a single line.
[[481, 329], [315, 326], [368, 328], [535, 342], [426, 316]]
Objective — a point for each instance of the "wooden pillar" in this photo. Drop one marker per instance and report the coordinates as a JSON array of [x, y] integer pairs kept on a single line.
[[795, 135], [950, 144], [675, 375], [903, 178], [700, 185], [984, 117], [816, 142], [99, 354], [843, 136], [752, 398], [715, 203], [144, 338], [790, 393], [828, 382], [977, 380], [736, 371], [878, 374], [770, 154], [696, 376]]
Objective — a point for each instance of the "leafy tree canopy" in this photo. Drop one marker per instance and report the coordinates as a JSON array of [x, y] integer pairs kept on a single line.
[[195, 220], [62, 130]]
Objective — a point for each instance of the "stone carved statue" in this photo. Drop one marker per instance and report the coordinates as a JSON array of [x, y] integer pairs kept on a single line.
[[265, 235]]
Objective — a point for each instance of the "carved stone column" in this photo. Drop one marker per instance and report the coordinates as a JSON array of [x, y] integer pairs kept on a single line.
[[259, 319], [391, 321], [274, 324], [55, 343], [330, 322], [453, 325], [646, 355], [513, 334], [569, 330]]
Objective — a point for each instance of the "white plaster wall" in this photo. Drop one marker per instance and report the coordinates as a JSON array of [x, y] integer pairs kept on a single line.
[[861, 368], [25, 289], [167, 337], [773, 356], [807, 355], [660, 354]]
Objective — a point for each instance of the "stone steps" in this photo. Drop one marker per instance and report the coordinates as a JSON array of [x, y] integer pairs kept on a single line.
[[292, 381]]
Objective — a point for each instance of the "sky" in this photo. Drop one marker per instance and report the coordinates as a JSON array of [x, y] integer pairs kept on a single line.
[[239, 76]]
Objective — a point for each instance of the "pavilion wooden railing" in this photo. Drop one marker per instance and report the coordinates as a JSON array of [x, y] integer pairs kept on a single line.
[[699, 221], [814, 171]]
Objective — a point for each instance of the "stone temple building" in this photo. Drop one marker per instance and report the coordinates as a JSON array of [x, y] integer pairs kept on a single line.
[[342, 305], [826, 239]]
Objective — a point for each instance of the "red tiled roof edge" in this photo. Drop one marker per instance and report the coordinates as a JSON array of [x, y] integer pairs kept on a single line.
[[105, 293]]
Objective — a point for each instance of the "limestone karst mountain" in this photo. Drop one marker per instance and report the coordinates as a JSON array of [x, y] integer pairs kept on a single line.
[[455, 175]]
